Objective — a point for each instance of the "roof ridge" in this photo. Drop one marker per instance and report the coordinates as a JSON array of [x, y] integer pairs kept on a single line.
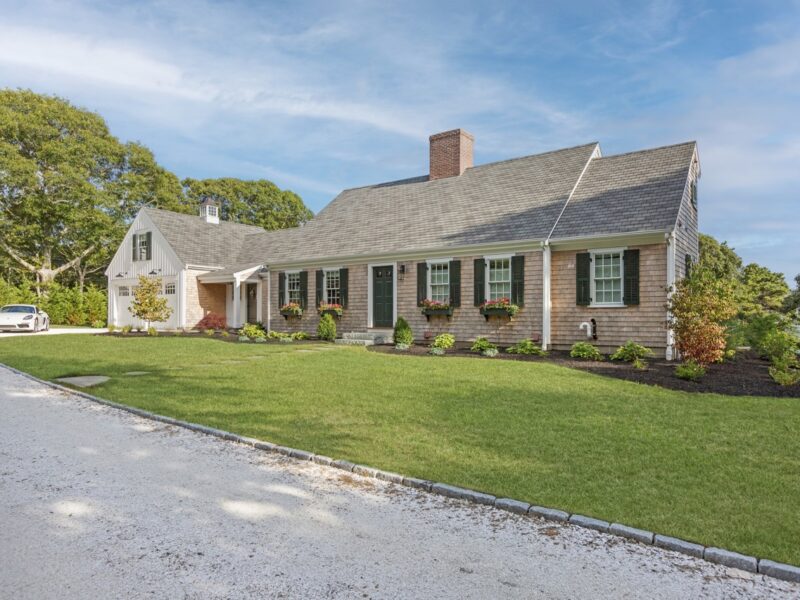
[[188, 216], [664, 147]]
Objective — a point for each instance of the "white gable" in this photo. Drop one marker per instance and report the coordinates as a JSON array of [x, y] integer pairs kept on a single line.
[[163, 259]]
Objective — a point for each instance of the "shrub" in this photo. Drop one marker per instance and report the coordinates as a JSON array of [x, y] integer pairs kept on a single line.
[[784, 375], [698, 309], [276, 335], [585, 351], [126, 329], [111, 328], [639, 364], [481, 344], [690, 370], [252, 330], [402, 332], [152, 331], [224, 333], [437, 351], [401, 347], [630, 351], [209, 332], [212, 321], [759, 326], [300, 335], [443, 341], [777, 345], [326, 330], [98, 324], [489, 352], [95, 305], [528, 347]]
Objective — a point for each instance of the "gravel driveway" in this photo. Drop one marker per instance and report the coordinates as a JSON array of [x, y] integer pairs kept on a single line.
[[96, 502]]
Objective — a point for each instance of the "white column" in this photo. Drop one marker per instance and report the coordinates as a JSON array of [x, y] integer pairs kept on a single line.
[[268, 281], [111, 308], [670, 289], [237, 301], [259, 295], [546, 301]]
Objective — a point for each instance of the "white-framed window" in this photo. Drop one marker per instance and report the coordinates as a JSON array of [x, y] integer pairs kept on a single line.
[[607, 277], [439, 281], [211, 210], [124, 291], [498, 277], [141, 246], [169, 288], [293, 287], [332, 286]]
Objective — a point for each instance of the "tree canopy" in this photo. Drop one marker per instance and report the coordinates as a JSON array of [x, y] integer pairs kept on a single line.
[[69, 189]]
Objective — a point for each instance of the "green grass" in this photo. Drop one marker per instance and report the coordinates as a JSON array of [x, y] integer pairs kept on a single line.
[[723, 471]]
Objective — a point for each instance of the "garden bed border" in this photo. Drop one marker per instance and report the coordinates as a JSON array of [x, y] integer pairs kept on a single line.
[[719, 556]]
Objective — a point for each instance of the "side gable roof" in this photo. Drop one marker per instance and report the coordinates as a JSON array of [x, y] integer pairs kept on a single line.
[[199, 243], [627, 193], [516, 199]]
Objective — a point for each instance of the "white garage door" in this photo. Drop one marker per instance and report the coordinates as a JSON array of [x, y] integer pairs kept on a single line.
[[123, 295]]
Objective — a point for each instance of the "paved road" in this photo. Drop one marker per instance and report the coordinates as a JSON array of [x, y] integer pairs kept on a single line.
[[96, 502], [53, 331]]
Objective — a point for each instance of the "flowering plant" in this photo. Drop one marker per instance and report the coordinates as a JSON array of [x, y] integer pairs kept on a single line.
[[434, 304], [500, 304], [331, 307], [292, 308]]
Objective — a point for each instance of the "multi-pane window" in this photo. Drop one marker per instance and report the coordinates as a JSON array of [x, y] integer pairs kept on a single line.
[[124, 291], [141, 246], [293, 287], [439, 282], [499, 277], [333, 287], [607, 278], [169, 288]]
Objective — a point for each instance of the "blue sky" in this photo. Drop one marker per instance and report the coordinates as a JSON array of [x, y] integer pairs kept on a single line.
[[321, 96]]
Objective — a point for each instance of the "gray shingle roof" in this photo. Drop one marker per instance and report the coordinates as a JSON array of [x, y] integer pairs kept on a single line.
[[199, 243], [518, 199], [625, 193]]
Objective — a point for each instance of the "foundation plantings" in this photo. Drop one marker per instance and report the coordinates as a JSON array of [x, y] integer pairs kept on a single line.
[[326, 330], [527, 347], [403, 336], [484, 347], [585, 351], [633, 353], [442, 343]]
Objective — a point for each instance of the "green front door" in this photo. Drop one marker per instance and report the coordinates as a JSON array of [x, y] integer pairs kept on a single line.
[[382, 296]]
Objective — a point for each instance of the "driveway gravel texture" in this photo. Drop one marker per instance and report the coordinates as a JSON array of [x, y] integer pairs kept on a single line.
[[97, 502]]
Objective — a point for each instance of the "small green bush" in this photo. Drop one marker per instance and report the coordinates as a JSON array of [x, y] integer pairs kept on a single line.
[[300, 335], [437, 351], [401, 347], [224, 333], [402, 332], [777, 345], [690, 370], [528, 347], [481, 344], [759, 326], [152, 332], [98, 324], [111, 328], [252, 330], [326, 330], [443, 341], [784, 374], [585, 351], [126, 329], [639, 364], [209, 332], [489, 352], [630, 351]]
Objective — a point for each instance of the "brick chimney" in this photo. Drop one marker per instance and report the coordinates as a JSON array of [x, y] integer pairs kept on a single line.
[[451, 153]]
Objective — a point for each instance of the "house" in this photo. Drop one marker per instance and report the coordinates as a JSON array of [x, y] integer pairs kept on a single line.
[[585, 245]]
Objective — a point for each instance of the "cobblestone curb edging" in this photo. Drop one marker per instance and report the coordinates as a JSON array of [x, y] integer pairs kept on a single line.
[[715, 555]]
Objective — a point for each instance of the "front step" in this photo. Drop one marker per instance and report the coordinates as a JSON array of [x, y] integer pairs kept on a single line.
[[371, 337]]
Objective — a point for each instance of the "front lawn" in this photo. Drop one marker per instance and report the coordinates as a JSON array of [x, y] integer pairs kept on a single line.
[[720, 470]]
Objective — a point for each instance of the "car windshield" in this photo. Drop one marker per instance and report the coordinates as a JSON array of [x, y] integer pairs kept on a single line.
[[18, 309]]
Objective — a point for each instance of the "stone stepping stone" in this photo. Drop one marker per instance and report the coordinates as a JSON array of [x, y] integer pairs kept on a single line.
[[136, 373], [84, 380]]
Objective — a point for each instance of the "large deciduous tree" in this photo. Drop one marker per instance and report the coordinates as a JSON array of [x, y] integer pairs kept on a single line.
[[259, 202], [762, 290]]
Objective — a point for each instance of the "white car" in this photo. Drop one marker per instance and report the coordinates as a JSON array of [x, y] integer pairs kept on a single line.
[[23, 317]]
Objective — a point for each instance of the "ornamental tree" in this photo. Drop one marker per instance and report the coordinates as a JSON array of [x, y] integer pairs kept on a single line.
[[148, 303]]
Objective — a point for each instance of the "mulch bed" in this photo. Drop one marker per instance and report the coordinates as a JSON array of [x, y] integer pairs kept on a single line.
[[745, 375]]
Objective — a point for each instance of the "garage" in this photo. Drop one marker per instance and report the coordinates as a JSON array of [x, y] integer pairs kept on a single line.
[[123, 298]]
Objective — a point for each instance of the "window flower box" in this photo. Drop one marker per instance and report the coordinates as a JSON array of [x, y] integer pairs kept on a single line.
[[502, 307], [292, 309], [434, 308], [334, 310]]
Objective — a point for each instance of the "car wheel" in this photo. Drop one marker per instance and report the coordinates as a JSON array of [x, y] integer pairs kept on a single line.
[[47, 325]]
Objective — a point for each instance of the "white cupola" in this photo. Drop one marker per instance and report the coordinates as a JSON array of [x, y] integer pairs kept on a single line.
[[209, 210]]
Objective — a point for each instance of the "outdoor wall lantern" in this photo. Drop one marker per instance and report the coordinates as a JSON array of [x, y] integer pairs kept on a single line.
[[401, 272]]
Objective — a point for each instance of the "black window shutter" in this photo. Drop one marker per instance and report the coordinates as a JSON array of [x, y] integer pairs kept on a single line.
[[343, 286], [281, 289], [583, 269], [422, 282], [479, 281], [630, 290], [455, 283], [303, 289], [688, 268], [320, 282], [135, 247], [149, 245], [518, 280]]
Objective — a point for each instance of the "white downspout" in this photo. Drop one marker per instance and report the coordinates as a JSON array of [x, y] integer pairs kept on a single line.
[[268, 280], [546, 301], [670, 354], [111, 309], [182, 299]]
